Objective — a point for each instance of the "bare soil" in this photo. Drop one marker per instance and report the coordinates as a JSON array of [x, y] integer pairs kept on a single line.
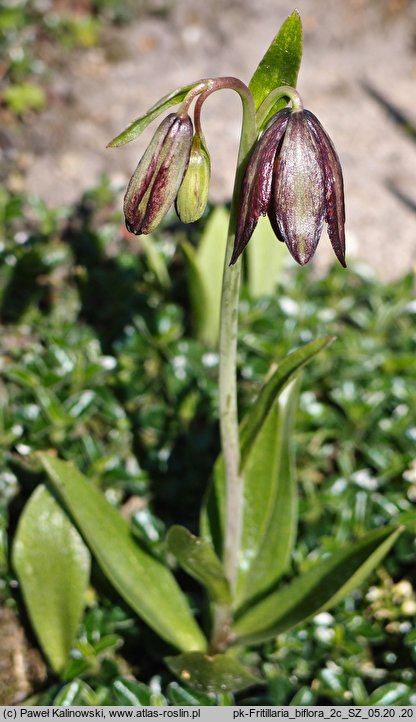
[[358, 76]]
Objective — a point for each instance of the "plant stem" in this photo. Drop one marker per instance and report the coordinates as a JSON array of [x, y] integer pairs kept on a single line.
[[228, 341], [284, 91]]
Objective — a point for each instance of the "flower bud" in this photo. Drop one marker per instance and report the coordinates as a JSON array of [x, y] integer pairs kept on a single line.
[[193, 194], [158, 176]]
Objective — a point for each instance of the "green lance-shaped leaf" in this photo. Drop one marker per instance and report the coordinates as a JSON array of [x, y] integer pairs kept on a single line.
[[215, 674], [393, 693], [320, 588], [280, 65], [143, 582], [197, 557], [181, 696], [212, 520], [270, 501], [155, 261], [130, 693], [52, 564], [284, 373], [408, 520], [138, 126], [205, 276]]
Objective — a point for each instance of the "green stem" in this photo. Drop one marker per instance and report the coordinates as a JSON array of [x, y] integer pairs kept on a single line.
[[285, 91], [228, 340], [230, 442]]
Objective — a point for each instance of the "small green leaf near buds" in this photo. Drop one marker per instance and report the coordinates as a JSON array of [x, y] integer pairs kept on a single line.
[[138, 126], [193, 194], [156, 180]]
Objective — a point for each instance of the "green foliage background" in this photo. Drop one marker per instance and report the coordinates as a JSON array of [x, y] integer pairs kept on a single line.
[[99, 364]]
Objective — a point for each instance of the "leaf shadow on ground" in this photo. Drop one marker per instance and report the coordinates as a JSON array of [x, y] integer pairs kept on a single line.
[[113, 297], [401, 120]]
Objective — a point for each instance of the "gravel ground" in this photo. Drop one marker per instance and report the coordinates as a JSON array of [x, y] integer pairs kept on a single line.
[[358, 76]]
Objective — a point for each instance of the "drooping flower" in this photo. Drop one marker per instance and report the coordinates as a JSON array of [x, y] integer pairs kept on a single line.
[[158, 176], [294, 175]]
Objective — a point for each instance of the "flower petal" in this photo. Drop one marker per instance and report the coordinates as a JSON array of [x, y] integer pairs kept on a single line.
[[257, 182], [299, 189], [334, 187]]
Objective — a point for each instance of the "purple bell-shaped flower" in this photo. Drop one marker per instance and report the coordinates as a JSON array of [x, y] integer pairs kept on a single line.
[[294, 175]]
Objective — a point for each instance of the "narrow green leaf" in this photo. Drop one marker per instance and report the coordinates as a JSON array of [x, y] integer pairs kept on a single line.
[[143, 582], [265, 256], [52, 407], [197, 557], [212, 517], [303, 697], [216, 674], [318, 589], [269, 529], [180, 696], [198, 296], [286, 370], [137, 126], [281, 63], [52, 564], [393, 693], [155, 261], [205, 268], [130, 693], [77, 692], [408, 520], [213, 508]]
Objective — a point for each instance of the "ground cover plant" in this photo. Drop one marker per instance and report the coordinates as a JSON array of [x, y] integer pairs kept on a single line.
[[124, 385], [35, 35], [355, 457]]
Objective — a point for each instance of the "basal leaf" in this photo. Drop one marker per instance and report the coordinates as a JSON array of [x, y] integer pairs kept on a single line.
[[318, 589], [130, 693], [212, 518], [197, 557], [143, 582], [155, 261], [137, 126], [52, 564], [205, 268], [215, 674], [181, 696], [408, 520], [199, 297], [280, 65], [285, 371], [211, 254], [392, 693], [270, 501]]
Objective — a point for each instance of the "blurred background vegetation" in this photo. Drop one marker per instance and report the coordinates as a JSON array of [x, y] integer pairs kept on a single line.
[[103, 362]]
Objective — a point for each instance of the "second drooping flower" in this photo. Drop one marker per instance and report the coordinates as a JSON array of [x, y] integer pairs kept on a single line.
[[157, 179], [294, 176]]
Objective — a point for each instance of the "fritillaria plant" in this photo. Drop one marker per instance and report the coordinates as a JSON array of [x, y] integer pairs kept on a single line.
[[287, 169]]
